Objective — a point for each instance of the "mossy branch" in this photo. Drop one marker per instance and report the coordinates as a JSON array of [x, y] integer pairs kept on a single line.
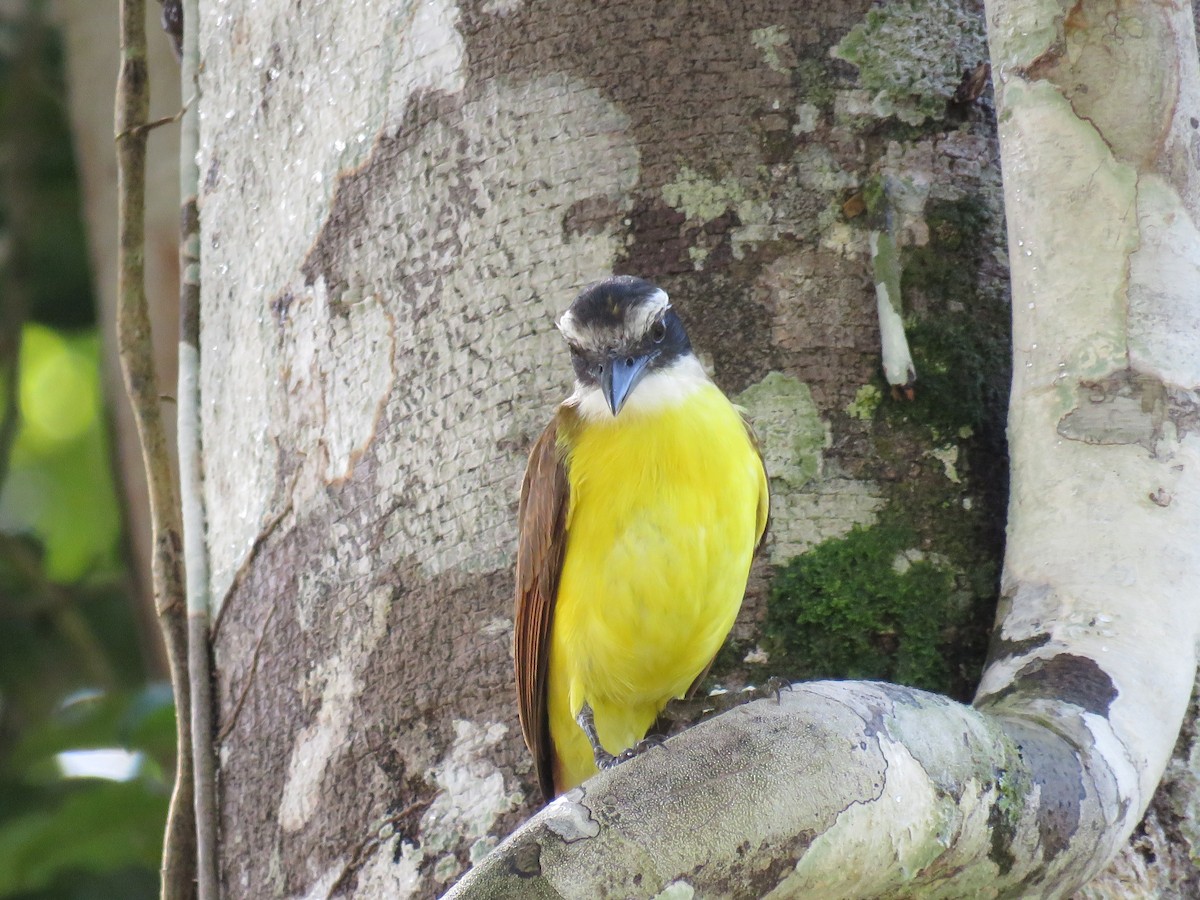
[[135, 350]]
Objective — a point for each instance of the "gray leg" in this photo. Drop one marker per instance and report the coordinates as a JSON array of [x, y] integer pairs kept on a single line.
[[604, 759], [587, 721]]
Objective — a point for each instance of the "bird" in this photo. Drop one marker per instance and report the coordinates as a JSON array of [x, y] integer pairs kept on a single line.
[[643, 504]]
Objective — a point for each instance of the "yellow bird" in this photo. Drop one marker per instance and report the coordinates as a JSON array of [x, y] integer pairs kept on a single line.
[[642, 506]]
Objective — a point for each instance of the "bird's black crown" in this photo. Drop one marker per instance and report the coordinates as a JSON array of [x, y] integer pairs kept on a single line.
[[603, 306]]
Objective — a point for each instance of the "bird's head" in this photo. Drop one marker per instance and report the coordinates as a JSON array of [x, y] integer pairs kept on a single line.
[[621, 332]]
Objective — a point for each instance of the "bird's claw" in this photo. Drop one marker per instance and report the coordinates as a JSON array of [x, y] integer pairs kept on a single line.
[[611, 761], [774, 687]]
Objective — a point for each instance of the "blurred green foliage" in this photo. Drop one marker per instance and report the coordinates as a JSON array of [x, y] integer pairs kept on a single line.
[[59, 488], [86, 743]]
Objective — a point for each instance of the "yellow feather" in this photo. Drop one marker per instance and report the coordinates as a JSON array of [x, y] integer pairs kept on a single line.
[[666, 509]]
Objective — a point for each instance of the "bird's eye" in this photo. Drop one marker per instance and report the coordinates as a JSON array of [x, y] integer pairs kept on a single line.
[[658, 332]]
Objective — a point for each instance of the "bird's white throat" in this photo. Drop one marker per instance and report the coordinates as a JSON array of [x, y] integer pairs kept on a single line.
[[658, 390]]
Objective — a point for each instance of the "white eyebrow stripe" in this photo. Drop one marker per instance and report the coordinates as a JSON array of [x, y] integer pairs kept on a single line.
[[646, 312], [568, 329]]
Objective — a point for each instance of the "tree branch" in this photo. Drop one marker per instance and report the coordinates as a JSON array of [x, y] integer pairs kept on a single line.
[[838, 789], [137, 365]]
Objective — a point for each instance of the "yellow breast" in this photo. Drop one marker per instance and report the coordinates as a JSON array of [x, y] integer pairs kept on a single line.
[[666, 509]]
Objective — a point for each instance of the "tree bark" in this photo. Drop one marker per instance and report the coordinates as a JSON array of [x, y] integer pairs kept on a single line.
[[396, 200]]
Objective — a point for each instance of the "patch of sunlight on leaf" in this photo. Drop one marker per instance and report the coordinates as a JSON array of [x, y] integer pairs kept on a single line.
[[60, 392], [59, 488]]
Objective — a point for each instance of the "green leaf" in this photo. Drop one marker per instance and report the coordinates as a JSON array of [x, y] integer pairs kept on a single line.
[[99, 826]]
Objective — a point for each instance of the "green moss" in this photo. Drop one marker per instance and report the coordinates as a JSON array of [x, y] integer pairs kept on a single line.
[[866, 400], [814, 84], [911, 55], [862, 607], [873, 196], [960, 345], [956, 229], [962, 375]]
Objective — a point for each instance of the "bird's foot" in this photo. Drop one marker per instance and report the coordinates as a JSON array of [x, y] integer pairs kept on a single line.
[[610, 761], [605, 760], [774, 687]]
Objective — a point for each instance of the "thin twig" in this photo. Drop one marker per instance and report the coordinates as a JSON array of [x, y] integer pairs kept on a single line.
[[146, 128], [137, 364]]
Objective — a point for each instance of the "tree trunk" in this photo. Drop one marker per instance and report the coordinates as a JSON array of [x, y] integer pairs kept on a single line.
[[397, 199]]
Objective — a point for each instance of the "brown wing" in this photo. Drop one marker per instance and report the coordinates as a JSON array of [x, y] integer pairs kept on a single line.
[[764, 496], [542, 542]]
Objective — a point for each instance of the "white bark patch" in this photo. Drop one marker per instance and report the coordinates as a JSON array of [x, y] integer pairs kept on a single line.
[[1164, 315], [676, 890], [1061, 265], [471, 793], [332, 112], [381, 877], [569, 819], [323, 741], [502, 7], [897, 358], [319, 890], [514, 266], [316, 746], [876, 842], [276, 203], [338, 370]]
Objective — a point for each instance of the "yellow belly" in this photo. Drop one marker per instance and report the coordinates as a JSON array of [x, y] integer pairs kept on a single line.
[[666, 509]]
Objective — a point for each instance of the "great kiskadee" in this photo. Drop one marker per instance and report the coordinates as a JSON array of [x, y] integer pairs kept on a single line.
[[642, 506]]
